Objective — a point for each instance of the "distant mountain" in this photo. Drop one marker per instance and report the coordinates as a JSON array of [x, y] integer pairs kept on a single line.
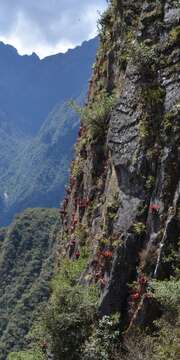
[[38, 173], [37, 129], [30, 87]]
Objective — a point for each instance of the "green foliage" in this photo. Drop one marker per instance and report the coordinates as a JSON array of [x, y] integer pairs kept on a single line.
[[167, 347], [168, 121], [150, 182], [26, 265], [34, 122], [139, 228], [143, 56], [105, 23], [69, 273], [71, 311], [69, 316], [104, 344], [81, 233], [77, 167], [153, 96], [167, 292], [144, 129], [26, 355], [69, 319], [95, 115], [174, 35]]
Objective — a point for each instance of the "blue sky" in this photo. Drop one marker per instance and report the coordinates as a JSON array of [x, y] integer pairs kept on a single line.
[[48, 26]]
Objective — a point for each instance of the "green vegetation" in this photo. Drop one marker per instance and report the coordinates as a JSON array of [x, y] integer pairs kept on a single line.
[[174, 35], [69, 320], [104, 343], [139, 228], [167, 346], [144, 129], [150, 182], [167, 292], [70, 315], [34, 121], [48, 157], [26, 355], [153, 96], [71, 311], [145, 57], [69, 323], [95, 116], [26, 265]]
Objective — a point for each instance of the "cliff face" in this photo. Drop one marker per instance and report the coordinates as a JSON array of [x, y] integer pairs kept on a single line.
[[120, 217], [123, 197]]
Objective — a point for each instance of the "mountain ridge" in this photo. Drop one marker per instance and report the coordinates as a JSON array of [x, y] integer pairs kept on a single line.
[[54, 75]]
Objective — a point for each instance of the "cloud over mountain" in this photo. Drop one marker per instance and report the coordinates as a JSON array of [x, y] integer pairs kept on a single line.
[[48, 26]]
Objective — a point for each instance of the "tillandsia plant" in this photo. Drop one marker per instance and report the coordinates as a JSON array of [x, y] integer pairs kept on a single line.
[[95, 115]]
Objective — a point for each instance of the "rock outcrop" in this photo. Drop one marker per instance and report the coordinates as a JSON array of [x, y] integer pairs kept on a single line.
[[124, 191]]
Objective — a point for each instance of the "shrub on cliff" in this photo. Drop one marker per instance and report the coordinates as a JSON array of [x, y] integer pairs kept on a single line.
[[71, 312], [105, 343], [25, 355], [69, 322], [95, 115]]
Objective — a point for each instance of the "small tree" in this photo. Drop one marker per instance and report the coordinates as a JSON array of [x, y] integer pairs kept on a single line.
[[105, 343], [69, 321]]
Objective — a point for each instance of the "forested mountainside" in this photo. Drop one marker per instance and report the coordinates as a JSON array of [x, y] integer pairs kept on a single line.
[[116, 292], [39, 170], [27, 251], [33, 101]]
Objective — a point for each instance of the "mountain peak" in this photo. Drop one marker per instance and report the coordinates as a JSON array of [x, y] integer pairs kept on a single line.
[[10, 50]]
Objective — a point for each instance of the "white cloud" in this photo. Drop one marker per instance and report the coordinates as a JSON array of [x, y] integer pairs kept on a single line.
[[48, 26]]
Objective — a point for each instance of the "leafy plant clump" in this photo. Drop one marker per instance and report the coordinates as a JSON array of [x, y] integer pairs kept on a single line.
[[167, 292], [105, 343], [95, 115], [139, 228], [71, 312], [26, 355]]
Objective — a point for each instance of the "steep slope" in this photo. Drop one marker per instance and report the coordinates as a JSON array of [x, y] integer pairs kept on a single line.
[[10, 146], [26, 265], [131, 190], [120, 218], [39, 171], [32, 102]]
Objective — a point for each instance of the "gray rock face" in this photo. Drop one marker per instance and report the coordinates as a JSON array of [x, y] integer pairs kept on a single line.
[[132, 178], [129, 157]]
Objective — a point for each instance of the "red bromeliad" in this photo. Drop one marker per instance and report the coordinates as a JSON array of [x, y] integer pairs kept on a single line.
[[107, 254], [136, 296], [142, 280], [77, 254], [154, 208], [83, 203]]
